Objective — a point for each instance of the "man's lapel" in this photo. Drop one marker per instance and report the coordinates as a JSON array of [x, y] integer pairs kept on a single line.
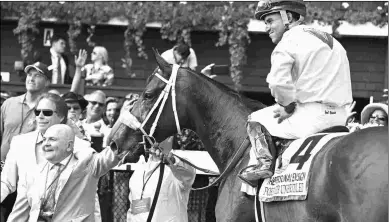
[[38, 186], [30, 143], [38, 191]]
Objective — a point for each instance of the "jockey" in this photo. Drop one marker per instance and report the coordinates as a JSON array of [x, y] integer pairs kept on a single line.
[[309, 79]]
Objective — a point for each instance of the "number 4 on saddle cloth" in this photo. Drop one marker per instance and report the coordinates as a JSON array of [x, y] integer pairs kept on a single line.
[[292, 168]]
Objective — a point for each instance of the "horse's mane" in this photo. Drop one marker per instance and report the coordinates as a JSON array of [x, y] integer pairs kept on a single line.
[[252, 104]]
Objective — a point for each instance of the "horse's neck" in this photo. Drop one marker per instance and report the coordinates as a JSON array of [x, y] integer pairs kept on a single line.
[[218, 118]]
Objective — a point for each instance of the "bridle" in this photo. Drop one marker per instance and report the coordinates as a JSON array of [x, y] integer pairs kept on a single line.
[[170, 87]]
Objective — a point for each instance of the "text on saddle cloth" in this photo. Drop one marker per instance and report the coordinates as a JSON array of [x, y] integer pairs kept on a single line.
[[291, 181]]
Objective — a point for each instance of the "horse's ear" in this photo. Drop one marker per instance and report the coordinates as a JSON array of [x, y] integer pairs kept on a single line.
[[162, 64]]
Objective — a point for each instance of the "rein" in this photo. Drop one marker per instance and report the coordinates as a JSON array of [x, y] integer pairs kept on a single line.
[[242, 148], [170, 86]]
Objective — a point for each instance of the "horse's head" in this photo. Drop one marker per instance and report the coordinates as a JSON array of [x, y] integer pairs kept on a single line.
[[156, 116]]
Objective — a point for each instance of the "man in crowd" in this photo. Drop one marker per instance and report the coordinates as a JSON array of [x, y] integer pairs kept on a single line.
[[181, 54], [184, 56], [17, 115], [309, 79], [57, 60], [64, 187], [51, 110], [94, 113]]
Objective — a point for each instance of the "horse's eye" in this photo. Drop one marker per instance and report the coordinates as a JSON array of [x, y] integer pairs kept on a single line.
[[148, 95]]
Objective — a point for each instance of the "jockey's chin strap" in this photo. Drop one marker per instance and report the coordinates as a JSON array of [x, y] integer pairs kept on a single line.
[[285, 20], [132, 122]]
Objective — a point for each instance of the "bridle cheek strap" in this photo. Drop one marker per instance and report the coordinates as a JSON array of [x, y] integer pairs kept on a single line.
[[174, 104], [170, 85], [132, 122]]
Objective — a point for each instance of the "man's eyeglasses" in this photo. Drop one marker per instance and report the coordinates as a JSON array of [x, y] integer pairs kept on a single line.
[[381, 118], [94, 103], [46, 112]]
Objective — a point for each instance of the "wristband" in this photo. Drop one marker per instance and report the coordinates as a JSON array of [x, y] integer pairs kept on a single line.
[[290, 108]]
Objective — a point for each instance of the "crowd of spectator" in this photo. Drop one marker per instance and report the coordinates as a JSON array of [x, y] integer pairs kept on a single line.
[[90, 116], [373, 114]]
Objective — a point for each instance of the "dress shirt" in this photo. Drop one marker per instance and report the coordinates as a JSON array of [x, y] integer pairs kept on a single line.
[[54, 67]]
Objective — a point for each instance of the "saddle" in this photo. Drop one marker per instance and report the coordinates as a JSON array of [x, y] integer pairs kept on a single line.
[[278, 145], [281, 143]]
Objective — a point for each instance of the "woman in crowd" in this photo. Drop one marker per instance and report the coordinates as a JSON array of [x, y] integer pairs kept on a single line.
[[99, 73], [112, 111], [375, 114], [76, 108]]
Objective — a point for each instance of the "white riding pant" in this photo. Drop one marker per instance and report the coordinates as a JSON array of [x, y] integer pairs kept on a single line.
[[307, 119]]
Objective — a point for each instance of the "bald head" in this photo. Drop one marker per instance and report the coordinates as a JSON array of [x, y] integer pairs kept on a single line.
[[63, 130], [58, 142]]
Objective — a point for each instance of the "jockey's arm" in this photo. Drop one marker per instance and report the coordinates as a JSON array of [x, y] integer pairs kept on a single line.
[[280, 78]]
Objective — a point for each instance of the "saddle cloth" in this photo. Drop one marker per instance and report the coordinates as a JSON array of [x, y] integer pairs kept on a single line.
[[291, 180]]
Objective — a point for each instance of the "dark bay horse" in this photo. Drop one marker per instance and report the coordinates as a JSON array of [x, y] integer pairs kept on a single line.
[[349, 181]]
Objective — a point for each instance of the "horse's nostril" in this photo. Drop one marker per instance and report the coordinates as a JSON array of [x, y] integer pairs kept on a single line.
[[113, 145]]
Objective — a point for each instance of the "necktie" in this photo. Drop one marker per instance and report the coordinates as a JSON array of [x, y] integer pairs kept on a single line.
[[52, 180], [59, 71]]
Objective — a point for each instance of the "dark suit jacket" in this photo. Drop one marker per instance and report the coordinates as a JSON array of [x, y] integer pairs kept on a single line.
[[45, 57]]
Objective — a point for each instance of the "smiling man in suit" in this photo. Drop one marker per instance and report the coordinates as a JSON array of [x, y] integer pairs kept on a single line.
[[51, 109], [63, 188]]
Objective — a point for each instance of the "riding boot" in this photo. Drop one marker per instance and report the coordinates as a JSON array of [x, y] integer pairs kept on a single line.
[[265, 167]]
